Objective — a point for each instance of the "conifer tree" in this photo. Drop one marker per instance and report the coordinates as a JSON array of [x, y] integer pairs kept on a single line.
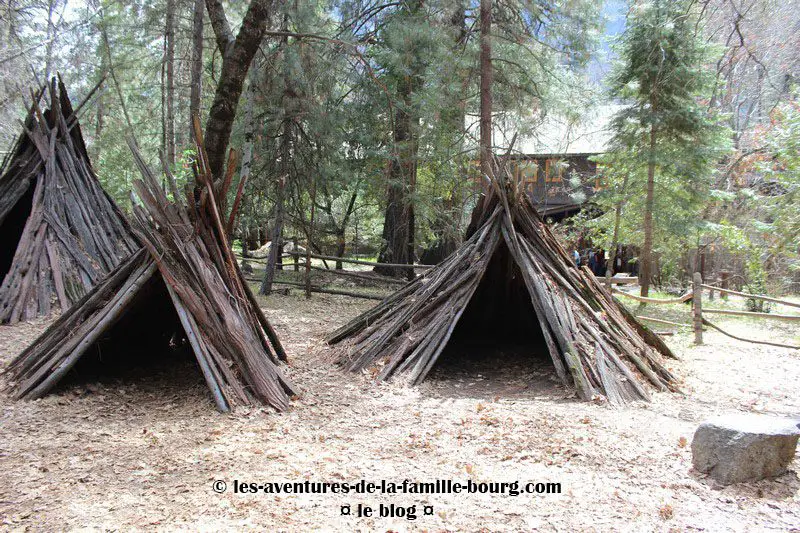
[[668, 135]]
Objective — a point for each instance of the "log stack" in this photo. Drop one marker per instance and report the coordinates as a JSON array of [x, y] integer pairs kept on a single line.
[[595, 345], [60, 233], [186, 255]]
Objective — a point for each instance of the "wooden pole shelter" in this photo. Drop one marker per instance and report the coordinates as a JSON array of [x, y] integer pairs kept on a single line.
[[187, 277], [697, 307], [60, 233], [594, 343]]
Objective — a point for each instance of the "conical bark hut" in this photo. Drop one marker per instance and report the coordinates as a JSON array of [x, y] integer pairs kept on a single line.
[[60, 233], [187, 263], [510, 261]]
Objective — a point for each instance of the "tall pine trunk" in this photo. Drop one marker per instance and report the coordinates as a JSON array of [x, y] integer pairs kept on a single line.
[[341, 230], [647, 249], [276, 249], [398, 224], [247, 160], [196, 83], [239, 53], [486, 89], [169, 59]]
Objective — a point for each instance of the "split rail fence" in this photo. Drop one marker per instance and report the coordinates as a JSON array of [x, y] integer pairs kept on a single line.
[[698, 310], [296, 255], [695, 295]]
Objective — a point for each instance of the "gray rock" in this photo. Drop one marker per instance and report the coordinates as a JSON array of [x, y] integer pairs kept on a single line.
[[744, 447]]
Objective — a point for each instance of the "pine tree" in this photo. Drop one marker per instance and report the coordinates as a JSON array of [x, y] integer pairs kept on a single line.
[[664, 129]]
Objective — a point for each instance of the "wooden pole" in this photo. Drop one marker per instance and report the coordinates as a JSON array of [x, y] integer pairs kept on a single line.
[[793, 347], [370, 263], [723, 282], [310, 235], [697, 287], [660, 321]]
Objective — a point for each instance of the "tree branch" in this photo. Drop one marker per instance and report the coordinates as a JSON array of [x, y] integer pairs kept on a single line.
[[219, 22]]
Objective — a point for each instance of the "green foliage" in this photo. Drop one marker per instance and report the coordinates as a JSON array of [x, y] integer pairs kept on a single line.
[[662, 76], [783, 142]]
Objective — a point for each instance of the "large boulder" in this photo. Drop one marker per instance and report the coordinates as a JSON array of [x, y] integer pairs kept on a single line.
[[743, 447]]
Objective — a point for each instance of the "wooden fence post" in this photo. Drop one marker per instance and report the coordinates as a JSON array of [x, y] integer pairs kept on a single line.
[[697, 307], [296, 254], [310, 236], [723, 282]]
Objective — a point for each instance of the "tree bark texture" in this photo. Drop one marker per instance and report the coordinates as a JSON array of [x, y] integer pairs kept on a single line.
[[236, 62], [398, 224], [196, 94]]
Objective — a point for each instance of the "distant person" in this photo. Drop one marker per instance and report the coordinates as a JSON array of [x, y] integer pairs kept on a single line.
[[577, 257], [601, 263]]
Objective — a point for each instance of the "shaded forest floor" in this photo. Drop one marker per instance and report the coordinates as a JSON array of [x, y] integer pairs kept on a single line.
[[143, 451]]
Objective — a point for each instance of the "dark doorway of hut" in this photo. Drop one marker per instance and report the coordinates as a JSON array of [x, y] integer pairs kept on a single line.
[[497, 349], [143, 358], [11, 229]]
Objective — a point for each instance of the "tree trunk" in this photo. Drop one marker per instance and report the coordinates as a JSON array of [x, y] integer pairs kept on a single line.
[[51, 40], [399, 223], [237, 61], [169, 40], [276, 250], [450, 233], [341, 241], [612, 254], [647, 249], [247, 156], [486, 89], [196, 89]]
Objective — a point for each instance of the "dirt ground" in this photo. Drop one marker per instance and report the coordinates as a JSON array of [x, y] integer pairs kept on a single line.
[[142, 452]]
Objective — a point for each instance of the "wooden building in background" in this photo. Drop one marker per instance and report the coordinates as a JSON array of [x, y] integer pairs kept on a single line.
[[558, 184], [556, 159]]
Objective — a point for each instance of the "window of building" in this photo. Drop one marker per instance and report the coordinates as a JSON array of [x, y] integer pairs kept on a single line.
[[554, 170], [525, 172]]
